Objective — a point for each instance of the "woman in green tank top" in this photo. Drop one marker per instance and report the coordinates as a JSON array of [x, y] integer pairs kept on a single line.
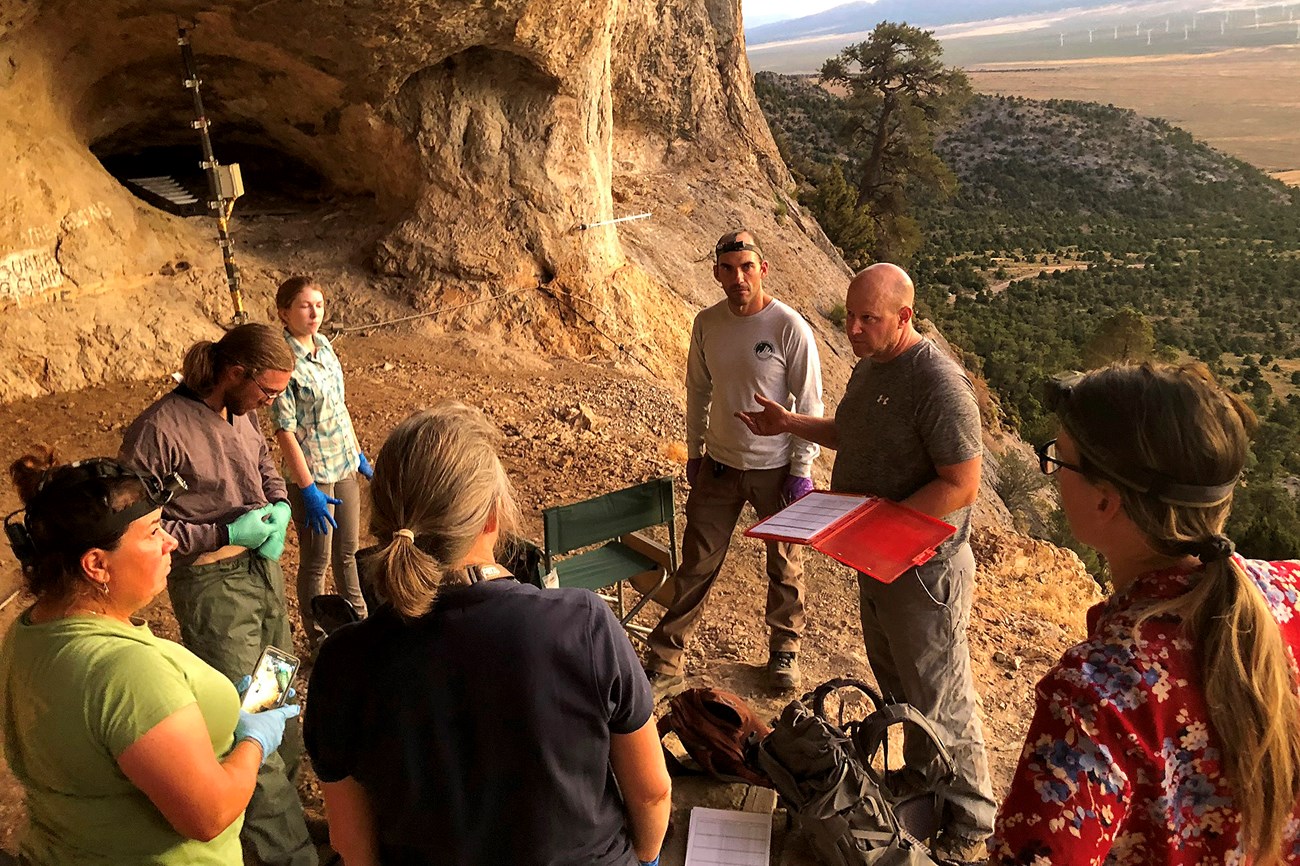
[[130, 749]]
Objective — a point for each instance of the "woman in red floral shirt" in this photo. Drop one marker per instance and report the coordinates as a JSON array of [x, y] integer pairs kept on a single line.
[[1172, 734]]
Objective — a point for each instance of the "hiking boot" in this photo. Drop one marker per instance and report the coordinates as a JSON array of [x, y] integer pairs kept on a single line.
[[783, 670], [951, 848], [664, 685]]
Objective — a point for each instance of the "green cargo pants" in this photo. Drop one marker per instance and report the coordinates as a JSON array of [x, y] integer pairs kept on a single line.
[[229, 611]]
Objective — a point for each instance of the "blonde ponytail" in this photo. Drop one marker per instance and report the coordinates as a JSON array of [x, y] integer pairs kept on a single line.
[[1193, 433], [437, 483]]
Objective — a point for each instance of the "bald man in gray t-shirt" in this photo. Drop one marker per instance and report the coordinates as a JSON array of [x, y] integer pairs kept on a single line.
[[908, 430]]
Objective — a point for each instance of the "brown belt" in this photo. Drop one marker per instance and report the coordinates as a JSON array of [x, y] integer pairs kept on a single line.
[[228, 552]]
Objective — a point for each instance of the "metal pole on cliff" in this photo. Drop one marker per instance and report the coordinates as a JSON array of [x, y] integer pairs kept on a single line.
[[224, 181]]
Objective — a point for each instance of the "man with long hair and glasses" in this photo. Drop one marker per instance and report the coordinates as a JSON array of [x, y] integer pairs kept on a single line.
[[225, 582]]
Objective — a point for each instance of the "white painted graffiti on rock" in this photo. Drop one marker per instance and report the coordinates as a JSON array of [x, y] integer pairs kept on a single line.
[[27, 273], [79, 219]]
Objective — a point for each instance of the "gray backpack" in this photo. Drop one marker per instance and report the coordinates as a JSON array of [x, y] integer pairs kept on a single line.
[[852, 813]]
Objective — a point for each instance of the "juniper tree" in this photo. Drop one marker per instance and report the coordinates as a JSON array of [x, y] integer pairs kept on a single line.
[[900, 95]]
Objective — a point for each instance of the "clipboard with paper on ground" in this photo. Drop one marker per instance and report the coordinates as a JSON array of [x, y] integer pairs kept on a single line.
[[875, 536]]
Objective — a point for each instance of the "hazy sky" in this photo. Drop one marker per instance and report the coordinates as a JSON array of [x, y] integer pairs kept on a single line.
[[761, 11]]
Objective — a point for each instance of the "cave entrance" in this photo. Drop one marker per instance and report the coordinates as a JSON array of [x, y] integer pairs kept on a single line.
[[167, 174]]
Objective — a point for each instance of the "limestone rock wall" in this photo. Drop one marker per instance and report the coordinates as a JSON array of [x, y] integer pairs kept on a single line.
[[486, 134]]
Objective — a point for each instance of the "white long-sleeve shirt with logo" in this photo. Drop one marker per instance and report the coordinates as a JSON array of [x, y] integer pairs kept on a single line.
[[731, 358]]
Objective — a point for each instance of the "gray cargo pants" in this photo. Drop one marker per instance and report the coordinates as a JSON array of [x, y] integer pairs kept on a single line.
[[915, 635], [337, 548]]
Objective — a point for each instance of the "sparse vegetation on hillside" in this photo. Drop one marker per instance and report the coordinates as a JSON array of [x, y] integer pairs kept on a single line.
[[1068, 214]]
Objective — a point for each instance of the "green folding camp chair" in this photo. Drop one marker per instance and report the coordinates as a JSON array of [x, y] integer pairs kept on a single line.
[[623, 556]]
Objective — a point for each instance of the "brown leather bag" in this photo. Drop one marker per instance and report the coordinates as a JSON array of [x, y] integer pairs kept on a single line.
[[716, 728]]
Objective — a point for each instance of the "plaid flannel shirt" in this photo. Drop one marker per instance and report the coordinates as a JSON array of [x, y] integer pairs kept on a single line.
[[312, 408]]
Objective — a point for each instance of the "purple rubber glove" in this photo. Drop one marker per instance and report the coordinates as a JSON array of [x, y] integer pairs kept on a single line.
[[364, 467], [317, 504], [693, 469], [795, 487]]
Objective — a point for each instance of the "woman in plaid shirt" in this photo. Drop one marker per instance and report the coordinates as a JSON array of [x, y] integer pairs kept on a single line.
[[321, 453]]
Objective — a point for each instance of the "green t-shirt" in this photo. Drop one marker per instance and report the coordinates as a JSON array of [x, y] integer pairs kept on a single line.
[[76, 693]]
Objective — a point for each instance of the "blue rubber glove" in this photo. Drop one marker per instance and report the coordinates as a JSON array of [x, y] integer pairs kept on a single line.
[[265, 728], [278, 519], [250, 529], [364, 467], [693, 469], [654, 862], [319, 519], [796, 487]]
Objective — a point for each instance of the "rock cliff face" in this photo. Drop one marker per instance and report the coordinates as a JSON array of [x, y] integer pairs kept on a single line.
[[486, 134]]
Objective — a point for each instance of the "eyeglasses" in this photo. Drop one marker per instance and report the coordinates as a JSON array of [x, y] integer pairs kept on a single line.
[[1049, 463], [269, 395]]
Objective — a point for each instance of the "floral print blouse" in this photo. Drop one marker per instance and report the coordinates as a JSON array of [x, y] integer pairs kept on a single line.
[[1120, 765]]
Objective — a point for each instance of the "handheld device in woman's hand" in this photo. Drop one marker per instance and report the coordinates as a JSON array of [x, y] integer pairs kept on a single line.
[[272, 679]]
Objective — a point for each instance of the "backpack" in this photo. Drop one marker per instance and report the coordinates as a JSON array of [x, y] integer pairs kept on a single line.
[[853, 814], [715, 727]]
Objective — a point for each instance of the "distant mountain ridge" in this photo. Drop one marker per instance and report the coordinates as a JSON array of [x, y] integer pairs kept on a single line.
[[860, 16]]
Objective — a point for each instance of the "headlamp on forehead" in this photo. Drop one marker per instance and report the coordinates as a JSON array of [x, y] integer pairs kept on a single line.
[[1057, 393], [157, 493]]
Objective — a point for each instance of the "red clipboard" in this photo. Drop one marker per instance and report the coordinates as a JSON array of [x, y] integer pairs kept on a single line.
[[875, 536]]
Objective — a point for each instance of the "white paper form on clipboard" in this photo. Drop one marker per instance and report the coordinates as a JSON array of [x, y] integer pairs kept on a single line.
[[810, 516], [721, 837]]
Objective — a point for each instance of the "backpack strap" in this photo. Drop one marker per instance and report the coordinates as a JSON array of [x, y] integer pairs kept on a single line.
[[869, 734], [816, 699], [873, 732]]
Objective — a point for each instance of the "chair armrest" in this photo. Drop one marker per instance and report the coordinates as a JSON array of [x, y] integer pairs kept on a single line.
[[658, 581], [649, 548]]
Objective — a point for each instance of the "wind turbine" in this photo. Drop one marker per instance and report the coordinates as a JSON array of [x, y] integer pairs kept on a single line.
[[1148, 36], [1062, 35], [1090, 36]]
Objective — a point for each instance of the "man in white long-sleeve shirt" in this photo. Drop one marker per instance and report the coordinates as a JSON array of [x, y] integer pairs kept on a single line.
[[744, 345]]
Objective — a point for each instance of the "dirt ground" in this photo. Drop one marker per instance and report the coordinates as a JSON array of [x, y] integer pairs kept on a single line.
[[552, 462], [572, 429]]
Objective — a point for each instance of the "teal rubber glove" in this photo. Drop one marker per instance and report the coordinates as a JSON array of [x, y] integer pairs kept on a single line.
[[265, 728], [250, 528], [278, 519]]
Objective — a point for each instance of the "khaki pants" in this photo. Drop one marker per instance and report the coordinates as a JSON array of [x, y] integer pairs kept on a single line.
[[712, 510], [229, 611], [338, 547], [915, 634]]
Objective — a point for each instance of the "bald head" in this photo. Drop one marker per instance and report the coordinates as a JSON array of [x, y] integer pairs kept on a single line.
[[887, 283], [878, 313]]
